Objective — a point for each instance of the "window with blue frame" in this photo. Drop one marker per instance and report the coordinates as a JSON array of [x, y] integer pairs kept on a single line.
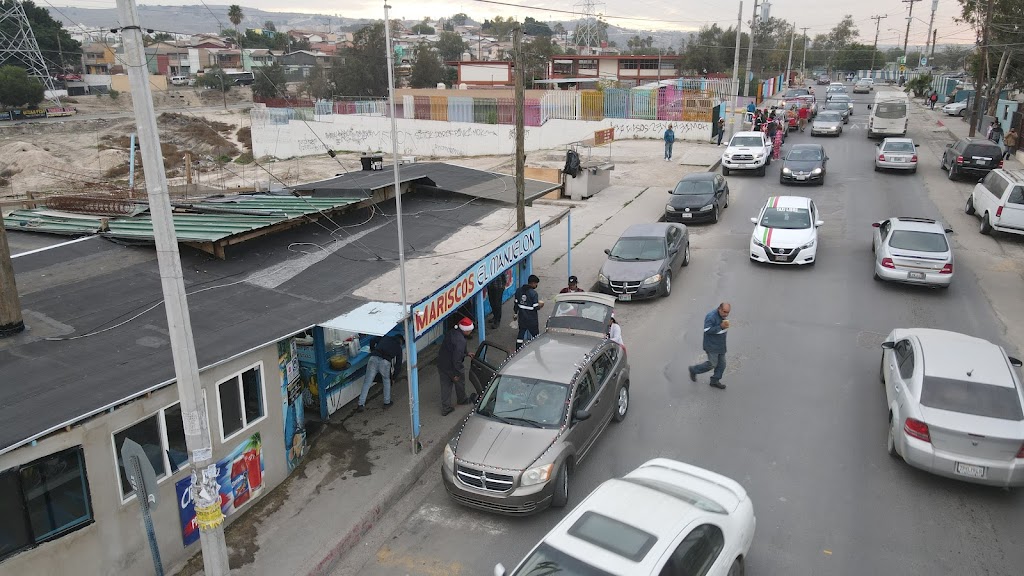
[[43, 500]]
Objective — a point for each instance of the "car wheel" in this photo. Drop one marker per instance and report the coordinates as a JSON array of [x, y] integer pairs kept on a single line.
[[666, 287], [881, 370], [561, 495], [760, 171], [913, 170], [686, 255], [890, 441], [822, 181], [969, 208], [952, 171], [725, 171], [960, 113], [986, 226], [737, 568], [621, 404], [877, 277], [942, 162], [715, 215], [877, 169], [726, 205], [782, 180]]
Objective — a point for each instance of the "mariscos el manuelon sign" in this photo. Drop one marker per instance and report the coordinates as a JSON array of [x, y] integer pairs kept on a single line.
[[433, 309]]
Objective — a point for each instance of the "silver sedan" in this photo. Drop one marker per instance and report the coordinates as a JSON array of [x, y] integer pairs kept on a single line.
[[827, 123], [896, 154], [955, 406], [912, 251]]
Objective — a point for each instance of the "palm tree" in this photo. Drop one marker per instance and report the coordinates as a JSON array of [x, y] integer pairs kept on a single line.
[[235, 16]]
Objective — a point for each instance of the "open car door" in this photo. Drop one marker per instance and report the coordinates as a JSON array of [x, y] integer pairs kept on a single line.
[[582, 313], [482, 367]]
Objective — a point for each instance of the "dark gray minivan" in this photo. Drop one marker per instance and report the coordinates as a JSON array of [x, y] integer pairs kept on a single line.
[[542, 412]]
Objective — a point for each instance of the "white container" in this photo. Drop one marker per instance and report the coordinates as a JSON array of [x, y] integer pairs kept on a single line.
[[353, 347]]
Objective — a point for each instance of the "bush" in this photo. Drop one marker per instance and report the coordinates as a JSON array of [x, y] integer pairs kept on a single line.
[[114, 94], [245, 158]]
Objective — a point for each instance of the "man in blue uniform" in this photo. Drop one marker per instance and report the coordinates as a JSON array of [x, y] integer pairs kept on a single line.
[[716, 325], [524, 309]]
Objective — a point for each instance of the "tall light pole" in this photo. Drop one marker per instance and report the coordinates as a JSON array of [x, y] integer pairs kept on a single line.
[[789, 62], [931, 23], [517, 45], [874, 49], [735, 72], [909, 17], [194, 413], [803, 62], [410, 341], [750, 50]]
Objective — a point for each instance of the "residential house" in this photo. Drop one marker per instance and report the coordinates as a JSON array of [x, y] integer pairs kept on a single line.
[[620, 68], [223, 58], [299, 65], [98, 58], [169, 59], [260, 57], [209, 41]]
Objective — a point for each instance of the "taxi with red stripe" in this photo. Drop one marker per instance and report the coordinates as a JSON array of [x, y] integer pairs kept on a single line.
[[786, 231]]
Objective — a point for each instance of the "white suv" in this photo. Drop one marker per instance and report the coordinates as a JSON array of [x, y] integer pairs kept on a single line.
[[747, 151], [999, 200]]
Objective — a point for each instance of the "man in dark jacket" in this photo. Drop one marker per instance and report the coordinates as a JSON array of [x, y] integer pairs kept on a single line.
[[574, 286], [382, 357], [716, 324], [450, 367], [524, 309], [495, 292]]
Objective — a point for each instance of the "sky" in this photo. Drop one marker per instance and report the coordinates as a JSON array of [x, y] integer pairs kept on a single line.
[[818, 15]]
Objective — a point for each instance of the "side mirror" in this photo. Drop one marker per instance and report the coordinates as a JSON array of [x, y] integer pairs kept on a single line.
[[917, 145], [607, 251], [669, 191], [499, 570], [949, 230], [580, 415], [753, 220], [819, 223], [949, 145], [888, 345], [1015, 362], [876, 224], [869, 106]]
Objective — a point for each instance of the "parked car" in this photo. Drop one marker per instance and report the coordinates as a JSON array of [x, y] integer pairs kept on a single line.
[[640, 264], [955, 108], [841, 108], [542, 412], [698, 196], [747, 151], [664, 518], [863, 87], [912, 251], [974, 157], [896, 154], [785, 231], [954, 404], [804, 163], [999, 200], [827, 123]]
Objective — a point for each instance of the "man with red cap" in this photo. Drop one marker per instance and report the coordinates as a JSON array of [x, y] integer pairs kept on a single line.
[[450, 366]]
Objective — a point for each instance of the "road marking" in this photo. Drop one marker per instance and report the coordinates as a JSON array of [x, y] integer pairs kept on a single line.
[[414, 564], [828, 552], [443, 516]]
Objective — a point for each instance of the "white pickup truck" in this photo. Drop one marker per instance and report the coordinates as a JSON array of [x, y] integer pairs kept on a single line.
[[747, 151]]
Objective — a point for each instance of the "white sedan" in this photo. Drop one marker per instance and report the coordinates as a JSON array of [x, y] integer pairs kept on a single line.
[[785, 231], [665, 517], [896, 154], [955, 406], [956, 108]]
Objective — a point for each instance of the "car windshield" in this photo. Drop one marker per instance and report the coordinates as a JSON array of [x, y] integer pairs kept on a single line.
[[546, 561], [890, 110], [971, 398], [695, 187], [898, 147], [639, 249], [918, 241], [862, 83], [525, 401], [753, 141], [804, 154], [836, 89], [786, 218], [795, 92], [829, 117]]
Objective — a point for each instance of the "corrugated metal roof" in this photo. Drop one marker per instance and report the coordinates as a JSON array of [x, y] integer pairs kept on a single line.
[[42, 220]]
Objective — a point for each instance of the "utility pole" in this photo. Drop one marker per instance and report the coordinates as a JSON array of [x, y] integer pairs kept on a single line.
[[935, 34], [789, 62], [735, 72], [204, 490], [931, 24], [750, 50], [874, 47], [909, 17], [982, 69], [803, 62], [517, 44], [11, 321]]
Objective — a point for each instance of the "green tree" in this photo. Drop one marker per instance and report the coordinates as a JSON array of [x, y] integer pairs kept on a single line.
[[710, 49], [236, 16], [269, 82], [499, 27], [58, 49], [18, 89], [537, 52], [532, 27], [831, 45], [450, 46], [362, 68], [319, 84], [427, 69], [459, 19], [423, 28], [269, 25], [162, 37], [215, 78]]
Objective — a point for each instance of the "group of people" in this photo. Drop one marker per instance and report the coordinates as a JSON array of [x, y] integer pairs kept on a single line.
[[1010, 140], [774, 122]]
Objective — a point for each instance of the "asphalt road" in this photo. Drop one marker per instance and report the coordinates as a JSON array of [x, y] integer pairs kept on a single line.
[[802, 424]]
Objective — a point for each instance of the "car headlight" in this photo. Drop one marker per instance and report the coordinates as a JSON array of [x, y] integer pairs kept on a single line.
[[449, 457], [602, 278], [652, 279], [706, 208], [758, 156], [727, 157], [538, 475], [757, 242], [669, 208], [787, 171], [816, 171], [808, 245]]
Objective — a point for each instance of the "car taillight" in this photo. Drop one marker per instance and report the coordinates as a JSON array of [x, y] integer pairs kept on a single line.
[[1021, 453], [913, 158], [881, 157], [917, 429], [887, 263], [959, 159], [947, 269], [999, 212]]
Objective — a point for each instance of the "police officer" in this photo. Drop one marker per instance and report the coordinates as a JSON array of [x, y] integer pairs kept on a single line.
[[524, 309]]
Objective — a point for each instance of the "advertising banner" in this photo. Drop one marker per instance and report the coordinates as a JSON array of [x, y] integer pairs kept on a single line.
[[239, 477], [292, 402]]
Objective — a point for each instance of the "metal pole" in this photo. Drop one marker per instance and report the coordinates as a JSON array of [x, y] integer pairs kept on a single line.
[[520, 135], [568, 251], [410, 342], [874, 47], [803, 62], [204, 491], [11, 321], [147, 519], [910, 16], [750, 51], [131, 166], [735, 72], [931, 23], [789, 62], [982, 70]]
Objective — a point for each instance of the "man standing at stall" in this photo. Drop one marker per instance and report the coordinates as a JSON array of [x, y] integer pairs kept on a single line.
[[495, 292], [524, 309], [381, 359], [450, 366]]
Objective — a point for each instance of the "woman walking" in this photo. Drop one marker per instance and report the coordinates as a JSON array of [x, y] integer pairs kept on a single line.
[[777, 144]]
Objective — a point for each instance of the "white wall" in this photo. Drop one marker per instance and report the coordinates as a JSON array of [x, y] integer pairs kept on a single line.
[[485, 73], [357, 133]]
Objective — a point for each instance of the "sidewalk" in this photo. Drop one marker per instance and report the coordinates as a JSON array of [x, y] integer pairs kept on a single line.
[[360, 465]]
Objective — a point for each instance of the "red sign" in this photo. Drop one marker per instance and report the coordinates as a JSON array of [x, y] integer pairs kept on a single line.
[[604, 136]]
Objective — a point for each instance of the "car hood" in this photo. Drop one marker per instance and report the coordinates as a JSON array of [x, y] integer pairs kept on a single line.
[[499, 445], [744, 150], [692, 201], [783, 238], [623, 270], [802, 165]]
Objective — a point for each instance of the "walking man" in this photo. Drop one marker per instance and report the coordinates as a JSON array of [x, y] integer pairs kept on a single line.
[[716, 325], [1011, 144], [721, 129], [524, 309], [384, 353], [495, 292], [670, 137], [574, 286], [932, 100], [802, 115], [450, 367]]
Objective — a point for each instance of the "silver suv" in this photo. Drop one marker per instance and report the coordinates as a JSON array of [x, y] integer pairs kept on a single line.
[[542, 412]]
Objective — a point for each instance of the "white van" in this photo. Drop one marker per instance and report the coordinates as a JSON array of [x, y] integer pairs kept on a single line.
[[179, 80], [998, 199], [889, 114]]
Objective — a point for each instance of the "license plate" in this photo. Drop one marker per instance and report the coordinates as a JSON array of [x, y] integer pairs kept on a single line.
[[625, 296], [970, 470], [778, 258], [686, 215], [801, 177], [899, 159], [915, 275]]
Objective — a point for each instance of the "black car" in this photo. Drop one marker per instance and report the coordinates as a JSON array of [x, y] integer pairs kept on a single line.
[[971, 157], [698, 197], [640, 264], [824, 80], [804, 164], [841, 108]]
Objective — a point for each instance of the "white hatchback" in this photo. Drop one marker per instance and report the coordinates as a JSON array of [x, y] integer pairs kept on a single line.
[[786, 231], [665, 517]]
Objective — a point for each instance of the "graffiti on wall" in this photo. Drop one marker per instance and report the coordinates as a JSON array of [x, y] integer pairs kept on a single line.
[[654, 129]]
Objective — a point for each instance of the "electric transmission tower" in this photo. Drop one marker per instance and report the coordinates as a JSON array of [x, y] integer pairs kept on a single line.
[[18, 46], [588, 30]]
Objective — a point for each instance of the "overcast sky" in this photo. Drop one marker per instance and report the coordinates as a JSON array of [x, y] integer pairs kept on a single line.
[[818, 15]]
